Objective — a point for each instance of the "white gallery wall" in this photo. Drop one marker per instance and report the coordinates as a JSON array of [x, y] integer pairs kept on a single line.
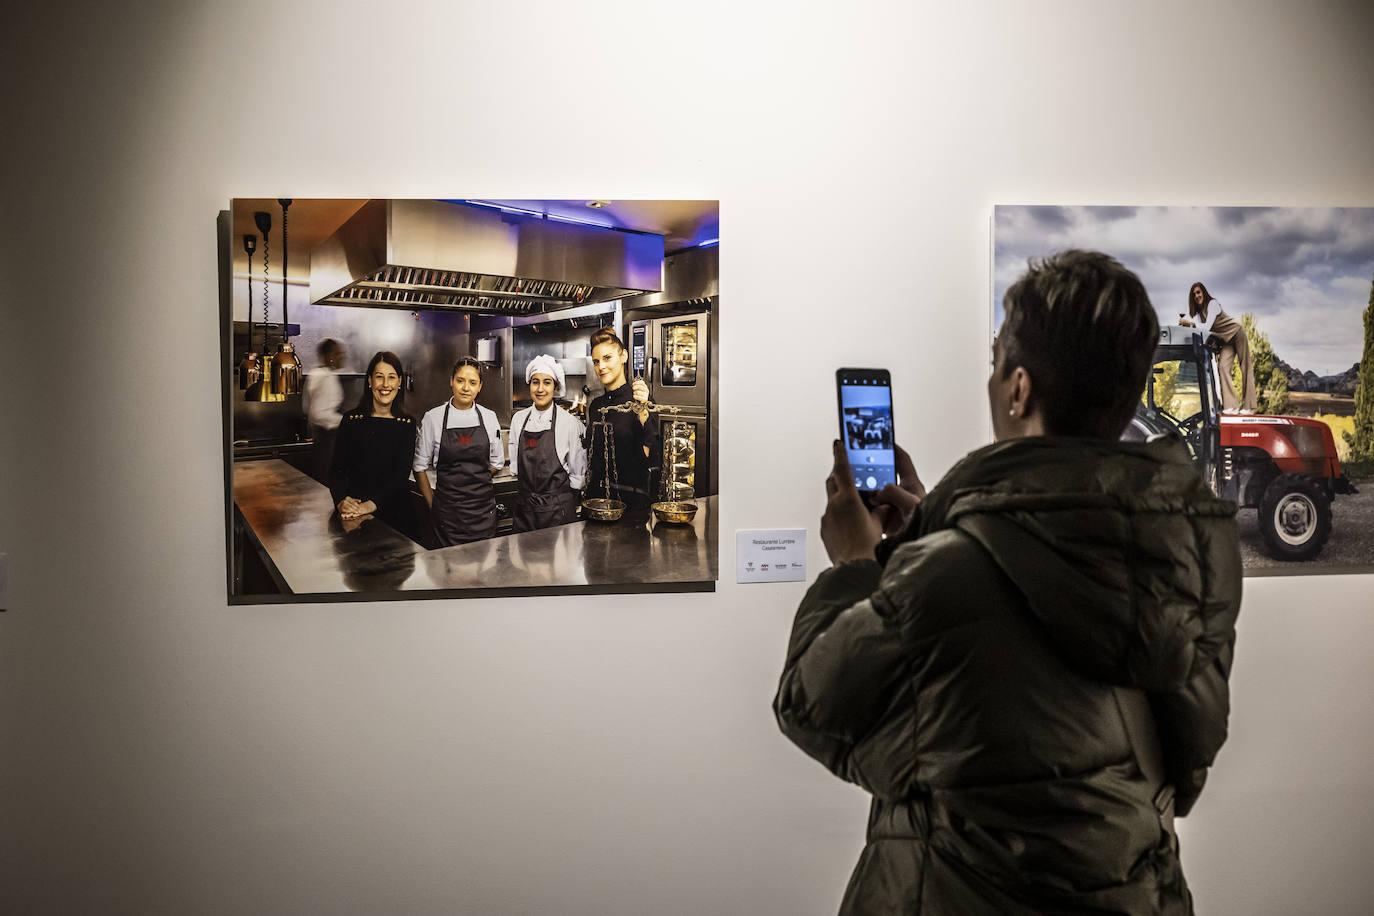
[[161, 752]]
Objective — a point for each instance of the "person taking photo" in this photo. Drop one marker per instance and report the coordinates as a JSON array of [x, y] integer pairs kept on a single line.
[[1027, 667]]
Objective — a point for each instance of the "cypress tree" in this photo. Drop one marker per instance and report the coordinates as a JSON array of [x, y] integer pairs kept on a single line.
[[1274, 398], [1271, 385], [1362, 443]]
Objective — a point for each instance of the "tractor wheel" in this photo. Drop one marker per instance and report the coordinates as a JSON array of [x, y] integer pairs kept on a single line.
[[1295, 517]]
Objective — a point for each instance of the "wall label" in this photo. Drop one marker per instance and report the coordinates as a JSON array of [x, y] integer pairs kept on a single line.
[[770, 555]]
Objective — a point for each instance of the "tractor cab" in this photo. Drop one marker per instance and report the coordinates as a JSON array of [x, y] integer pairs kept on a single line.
[[1181, 397]]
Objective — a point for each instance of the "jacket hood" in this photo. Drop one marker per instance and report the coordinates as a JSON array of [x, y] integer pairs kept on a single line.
[[1124, 555]]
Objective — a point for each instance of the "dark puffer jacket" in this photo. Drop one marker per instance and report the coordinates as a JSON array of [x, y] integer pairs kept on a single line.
[[966, 680]]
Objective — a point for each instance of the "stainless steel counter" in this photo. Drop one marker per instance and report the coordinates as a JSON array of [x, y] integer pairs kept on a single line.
[[290, 518]]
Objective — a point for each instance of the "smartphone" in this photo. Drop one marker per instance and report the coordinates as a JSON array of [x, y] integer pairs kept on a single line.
[[865, 397]]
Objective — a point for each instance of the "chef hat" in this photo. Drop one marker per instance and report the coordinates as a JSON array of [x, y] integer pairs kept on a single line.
[[549, 366]]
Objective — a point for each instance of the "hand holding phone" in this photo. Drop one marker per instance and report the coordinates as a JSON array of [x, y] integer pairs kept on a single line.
[[866, 431], [893, 506], [849, 530]]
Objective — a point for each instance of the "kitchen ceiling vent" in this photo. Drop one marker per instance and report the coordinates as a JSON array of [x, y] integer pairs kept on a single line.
[[431, 254]]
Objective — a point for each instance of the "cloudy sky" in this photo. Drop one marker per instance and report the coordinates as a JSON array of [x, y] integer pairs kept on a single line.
[[1303, 272]]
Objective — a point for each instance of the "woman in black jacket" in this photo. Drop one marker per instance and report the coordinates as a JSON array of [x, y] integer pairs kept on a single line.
[[1029, 674], [370, 472], [635, 445]]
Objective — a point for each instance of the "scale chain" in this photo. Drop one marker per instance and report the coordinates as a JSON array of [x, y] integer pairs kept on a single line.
[[611, 474], [608, 453]]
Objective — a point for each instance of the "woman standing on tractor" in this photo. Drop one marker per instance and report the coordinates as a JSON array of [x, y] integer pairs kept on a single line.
[[1210, 319]]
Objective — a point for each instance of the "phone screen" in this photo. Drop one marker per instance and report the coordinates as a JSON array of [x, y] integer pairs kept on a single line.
[[866, 426]]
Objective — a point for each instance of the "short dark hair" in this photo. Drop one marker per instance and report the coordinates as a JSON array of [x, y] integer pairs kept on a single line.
[[605, 335], [1083, 328], [467, 361], [327, 346]]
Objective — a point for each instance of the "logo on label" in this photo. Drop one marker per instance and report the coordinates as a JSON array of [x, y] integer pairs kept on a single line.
[[464, 440], [531, 443]]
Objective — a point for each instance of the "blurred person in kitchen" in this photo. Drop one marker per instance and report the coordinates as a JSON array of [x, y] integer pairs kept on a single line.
[[369, 475], [323, 399], [461, 442], [548, 458], [634, 446], [1027, 667]]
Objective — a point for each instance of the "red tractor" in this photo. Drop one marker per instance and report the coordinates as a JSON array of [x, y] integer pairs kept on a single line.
[[1286, 467]]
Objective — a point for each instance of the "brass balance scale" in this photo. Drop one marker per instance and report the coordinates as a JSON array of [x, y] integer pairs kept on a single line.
[[676, 451]]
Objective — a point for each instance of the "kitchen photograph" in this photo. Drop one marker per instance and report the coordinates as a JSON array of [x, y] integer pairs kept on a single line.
[[463, 398]]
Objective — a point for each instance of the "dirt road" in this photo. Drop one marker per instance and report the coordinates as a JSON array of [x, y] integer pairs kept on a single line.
[[1350, 549]]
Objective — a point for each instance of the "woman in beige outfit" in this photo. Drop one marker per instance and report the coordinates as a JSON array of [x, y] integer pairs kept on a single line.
[[1210, 319]]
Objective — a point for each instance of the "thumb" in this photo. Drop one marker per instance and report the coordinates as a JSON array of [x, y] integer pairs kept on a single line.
[[841, 458], [906, 472]]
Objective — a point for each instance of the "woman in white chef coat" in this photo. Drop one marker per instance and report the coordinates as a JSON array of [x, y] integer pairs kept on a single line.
[[547, 457], [462, 443]]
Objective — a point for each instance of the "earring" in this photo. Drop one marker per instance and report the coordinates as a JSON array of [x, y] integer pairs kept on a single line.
[[1012, 412]]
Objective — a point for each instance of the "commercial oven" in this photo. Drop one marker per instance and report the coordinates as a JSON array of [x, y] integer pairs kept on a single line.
[[673, 355]]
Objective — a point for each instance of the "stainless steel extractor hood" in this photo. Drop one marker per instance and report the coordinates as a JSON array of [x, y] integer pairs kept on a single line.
[[432, 254]]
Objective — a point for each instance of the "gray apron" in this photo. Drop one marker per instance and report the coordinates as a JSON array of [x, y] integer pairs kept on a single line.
[[464, 499], [546, 495]]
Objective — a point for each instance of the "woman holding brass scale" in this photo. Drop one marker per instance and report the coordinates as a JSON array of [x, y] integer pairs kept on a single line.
[[634, 442], [462, 442]]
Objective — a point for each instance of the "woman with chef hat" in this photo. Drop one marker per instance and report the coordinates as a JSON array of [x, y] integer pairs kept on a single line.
[[547, 458]]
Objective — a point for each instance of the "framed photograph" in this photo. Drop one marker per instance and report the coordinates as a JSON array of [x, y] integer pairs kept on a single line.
[[1265, 360], [456, 398]]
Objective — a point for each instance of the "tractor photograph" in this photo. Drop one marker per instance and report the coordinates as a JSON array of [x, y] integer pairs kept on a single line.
[[1285, 467]]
